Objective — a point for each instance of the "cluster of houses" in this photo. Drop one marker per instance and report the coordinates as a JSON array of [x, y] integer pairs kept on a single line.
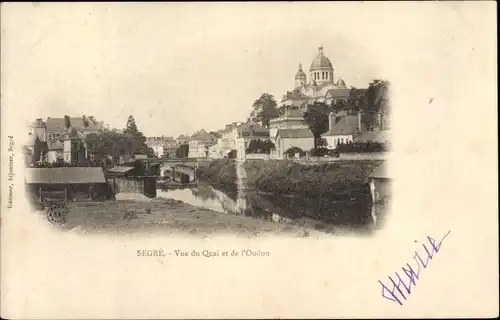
[[64, 138], [290, 129], [60, 138]]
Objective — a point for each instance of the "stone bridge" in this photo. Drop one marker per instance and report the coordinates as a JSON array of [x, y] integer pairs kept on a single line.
[[180, 170]]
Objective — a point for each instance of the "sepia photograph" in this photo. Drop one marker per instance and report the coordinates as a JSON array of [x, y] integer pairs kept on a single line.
[[312, 160], [252, 159]]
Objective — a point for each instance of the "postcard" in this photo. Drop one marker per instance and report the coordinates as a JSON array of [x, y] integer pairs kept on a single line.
[[249, 160]]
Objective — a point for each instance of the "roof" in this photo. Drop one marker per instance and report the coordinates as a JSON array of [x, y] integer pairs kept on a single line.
[[203, 135], [346, 125], [32, 140], [337, 93], [373, 136], [65, 175], [251, 128], [321, 61], [55, 145], [295, 133], [381, 172], [300, 73], [72, 134], [120, 169], [59, 124]]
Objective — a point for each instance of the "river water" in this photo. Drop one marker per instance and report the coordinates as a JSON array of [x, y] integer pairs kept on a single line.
[[322, 214]]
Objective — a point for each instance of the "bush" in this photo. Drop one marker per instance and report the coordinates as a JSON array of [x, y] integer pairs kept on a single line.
[[294, 150], [362, 147]]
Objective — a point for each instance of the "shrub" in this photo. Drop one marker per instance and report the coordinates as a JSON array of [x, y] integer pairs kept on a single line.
[[294, 150]]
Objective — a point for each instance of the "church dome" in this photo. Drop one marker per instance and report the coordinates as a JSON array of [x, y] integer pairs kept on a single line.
[[341, 83], [321, 62], [300, 73]]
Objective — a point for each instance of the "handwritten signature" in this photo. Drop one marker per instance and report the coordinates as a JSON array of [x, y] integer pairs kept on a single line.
[[401, 287]]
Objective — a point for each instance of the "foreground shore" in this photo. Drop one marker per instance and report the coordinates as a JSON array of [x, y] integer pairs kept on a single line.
[[167, 216]]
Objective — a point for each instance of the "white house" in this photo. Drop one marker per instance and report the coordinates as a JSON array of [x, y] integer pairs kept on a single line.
[[200, 143], [237, 136], [291, 119], [56, 151], [344, 131], [288, 138]]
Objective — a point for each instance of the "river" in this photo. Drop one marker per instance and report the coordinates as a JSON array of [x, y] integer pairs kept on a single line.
[[320, 214]]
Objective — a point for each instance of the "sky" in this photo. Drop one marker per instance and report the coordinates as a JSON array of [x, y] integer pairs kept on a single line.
[[178, 67], [181, 67]]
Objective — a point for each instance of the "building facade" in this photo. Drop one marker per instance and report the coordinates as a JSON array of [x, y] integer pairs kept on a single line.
[[200, 143], [342, 129], [290, 119], [289, 138], [162, 146]]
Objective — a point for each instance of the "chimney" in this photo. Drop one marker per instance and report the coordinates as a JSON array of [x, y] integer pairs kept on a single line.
[[331, 120]]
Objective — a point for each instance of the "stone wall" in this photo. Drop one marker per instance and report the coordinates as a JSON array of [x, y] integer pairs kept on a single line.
[[144, 185]]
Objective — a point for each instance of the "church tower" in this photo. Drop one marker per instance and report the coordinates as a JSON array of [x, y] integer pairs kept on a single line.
[[300, 77], [321, 69]]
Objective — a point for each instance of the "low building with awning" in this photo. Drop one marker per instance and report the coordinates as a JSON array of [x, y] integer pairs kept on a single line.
[[79, 183]]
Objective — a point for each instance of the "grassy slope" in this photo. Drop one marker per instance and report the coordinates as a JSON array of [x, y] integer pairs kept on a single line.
[[221, 173], [342, 178]]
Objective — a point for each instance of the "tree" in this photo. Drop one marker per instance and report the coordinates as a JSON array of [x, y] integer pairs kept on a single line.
[[67, 122], [294, 150], [264, 109], [132, 130], [316, 117], [216, 134], [260, 146]]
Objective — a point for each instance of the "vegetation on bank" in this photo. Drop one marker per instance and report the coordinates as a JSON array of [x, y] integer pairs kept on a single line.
[[220, 173], [338, 180]]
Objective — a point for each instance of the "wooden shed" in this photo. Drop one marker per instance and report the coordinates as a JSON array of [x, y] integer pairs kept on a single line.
[[79, 183]]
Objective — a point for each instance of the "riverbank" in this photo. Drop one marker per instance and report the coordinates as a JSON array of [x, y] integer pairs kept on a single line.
[[220, 173], [167, 216], [340, 180]]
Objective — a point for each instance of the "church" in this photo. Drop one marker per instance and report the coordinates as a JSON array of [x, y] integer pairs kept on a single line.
[[321, 86]]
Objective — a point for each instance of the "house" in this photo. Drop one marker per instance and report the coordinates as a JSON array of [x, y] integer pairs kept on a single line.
[[380, 183], [182, 139], [199, 144], [55, 150], [58, 126], [170, 147], [290, 119], [237, 136], [162, 146], [289, 138], [79, 183], [345, 130], [75, 148]]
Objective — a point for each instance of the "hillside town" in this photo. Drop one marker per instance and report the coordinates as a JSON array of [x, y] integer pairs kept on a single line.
[[318, 115], [306, 144]]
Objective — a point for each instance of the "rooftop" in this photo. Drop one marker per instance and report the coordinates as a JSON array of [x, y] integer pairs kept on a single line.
[[295, 133], [66, 175], [346, 125]]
